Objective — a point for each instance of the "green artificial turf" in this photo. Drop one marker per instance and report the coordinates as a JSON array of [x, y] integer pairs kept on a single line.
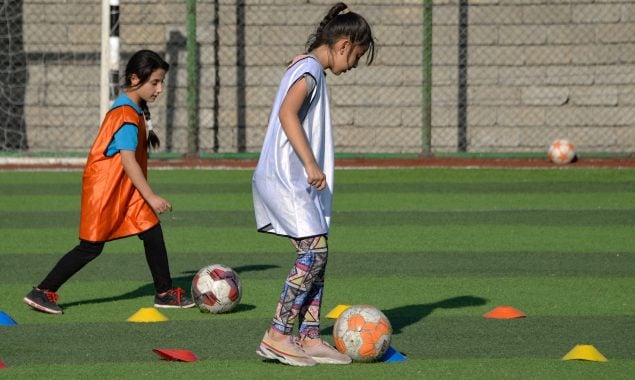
[[435, 249]]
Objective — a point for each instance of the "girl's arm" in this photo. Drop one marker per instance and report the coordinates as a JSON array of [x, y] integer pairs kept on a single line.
[[134, 172], [293, 129]]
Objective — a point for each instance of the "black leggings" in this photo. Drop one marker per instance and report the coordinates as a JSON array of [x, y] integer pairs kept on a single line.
[[85, 252]]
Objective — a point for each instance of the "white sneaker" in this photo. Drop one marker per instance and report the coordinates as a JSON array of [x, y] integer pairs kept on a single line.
[[324, 353], [287, 351]]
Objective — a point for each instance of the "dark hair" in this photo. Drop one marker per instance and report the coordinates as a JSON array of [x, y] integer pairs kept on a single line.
[[142, 64], [338, 24]]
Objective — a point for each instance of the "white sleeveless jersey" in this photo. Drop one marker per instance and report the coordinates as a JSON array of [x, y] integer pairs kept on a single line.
[[284, 203]]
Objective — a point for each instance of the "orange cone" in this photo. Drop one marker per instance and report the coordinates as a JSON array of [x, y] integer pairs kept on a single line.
[[505, 312]]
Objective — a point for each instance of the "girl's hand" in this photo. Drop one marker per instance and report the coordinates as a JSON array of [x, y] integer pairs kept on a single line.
[[159, 204], [315, 176]]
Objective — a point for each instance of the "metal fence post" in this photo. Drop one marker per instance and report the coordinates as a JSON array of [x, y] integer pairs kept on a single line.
[[426, 95], [192, 80]]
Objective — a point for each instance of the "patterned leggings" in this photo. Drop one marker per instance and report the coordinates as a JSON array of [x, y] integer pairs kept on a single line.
[[301, 296]]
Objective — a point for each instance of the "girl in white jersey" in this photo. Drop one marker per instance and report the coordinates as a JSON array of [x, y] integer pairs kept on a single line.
[[293, 183]]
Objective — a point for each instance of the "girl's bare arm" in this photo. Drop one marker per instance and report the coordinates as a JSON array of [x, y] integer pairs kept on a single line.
[[134, 172], [293, 129]]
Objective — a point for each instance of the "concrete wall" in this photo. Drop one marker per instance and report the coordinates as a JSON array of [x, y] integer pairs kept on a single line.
[[534, 70]]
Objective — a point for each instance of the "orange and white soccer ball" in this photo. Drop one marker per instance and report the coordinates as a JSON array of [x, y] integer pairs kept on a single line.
[[562, 152], [362, 332]]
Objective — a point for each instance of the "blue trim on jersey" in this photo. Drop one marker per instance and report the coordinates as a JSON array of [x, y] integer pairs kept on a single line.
[[126, 138], [124, 100]]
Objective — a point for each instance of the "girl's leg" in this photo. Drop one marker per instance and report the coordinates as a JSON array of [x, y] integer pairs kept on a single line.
[[309, 318], [302, 291], [70, 264], [43, 297], [157, 258]]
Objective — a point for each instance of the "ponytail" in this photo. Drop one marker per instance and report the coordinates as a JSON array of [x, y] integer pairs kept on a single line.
[[340, 22], [316, 39], [153, 139]]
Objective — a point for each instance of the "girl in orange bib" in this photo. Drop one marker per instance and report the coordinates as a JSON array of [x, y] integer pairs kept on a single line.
[[117, 200]]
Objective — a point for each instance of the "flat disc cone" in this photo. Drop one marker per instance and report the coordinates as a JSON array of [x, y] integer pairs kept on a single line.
[[173, 354], [5, 320], [505, 312], [337, 310], [147, 314], [393, 356], [585, 352]]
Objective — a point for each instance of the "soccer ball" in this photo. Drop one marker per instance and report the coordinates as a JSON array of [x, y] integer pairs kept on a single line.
[[362, 332], [216, 289], [562, 152]]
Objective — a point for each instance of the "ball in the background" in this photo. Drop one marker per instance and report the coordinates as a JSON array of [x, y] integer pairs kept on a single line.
[[562, 152]]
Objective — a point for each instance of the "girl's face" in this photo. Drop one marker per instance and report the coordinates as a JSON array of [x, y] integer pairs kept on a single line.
[[346, 56], [150, 90]]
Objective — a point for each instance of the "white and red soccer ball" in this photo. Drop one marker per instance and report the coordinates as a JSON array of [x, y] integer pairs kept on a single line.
[[216, 289], [562, 152], [362, 332]]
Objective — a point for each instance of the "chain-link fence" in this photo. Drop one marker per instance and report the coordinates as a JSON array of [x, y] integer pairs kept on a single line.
[[449, 76]]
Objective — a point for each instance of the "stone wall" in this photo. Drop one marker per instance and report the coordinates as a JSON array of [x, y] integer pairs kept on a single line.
[[513, 74]]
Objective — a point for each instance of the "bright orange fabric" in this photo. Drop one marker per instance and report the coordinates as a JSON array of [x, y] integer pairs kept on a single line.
[[112, 207]]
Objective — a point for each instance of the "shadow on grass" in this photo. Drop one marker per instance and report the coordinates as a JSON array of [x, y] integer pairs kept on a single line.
[[403, 316], [184, 282]]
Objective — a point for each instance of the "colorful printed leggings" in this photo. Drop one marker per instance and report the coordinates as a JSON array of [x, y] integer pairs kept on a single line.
[[301, 296]]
